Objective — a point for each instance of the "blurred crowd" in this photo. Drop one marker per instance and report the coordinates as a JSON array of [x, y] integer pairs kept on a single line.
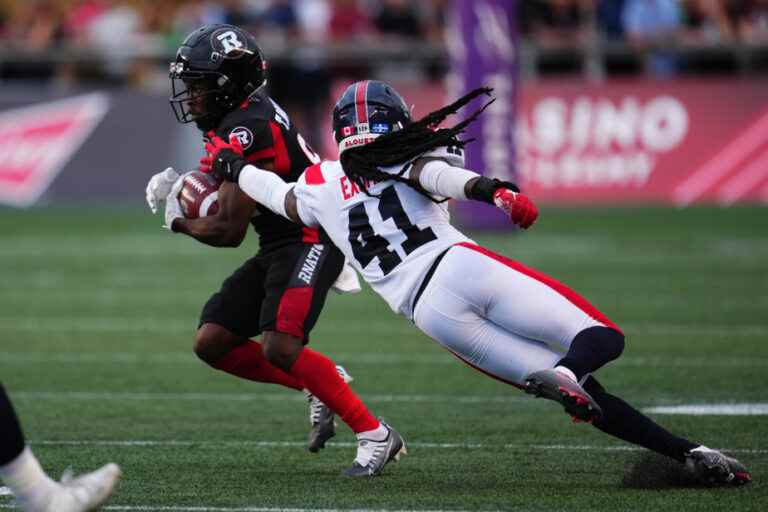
[[687, 22], [41, 24]]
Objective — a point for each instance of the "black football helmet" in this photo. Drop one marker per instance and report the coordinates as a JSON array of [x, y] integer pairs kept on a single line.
[[217, 67], [366, 110]]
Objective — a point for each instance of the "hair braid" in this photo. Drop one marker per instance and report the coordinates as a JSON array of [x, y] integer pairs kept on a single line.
[[362, 164]]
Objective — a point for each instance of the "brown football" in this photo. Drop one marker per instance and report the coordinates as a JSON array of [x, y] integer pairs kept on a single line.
[[199, 195]]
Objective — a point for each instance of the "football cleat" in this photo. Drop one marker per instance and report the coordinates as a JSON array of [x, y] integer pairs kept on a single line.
[[372, 455], [557, 386], [79, 494], [322, 418], [713, 468]]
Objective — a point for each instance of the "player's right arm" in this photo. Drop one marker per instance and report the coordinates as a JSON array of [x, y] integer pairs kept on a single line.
[[228, 227]]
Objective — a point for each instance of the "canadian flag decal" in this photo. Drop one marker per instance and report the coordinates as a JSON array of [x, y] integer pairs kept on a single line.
[[36, 143]]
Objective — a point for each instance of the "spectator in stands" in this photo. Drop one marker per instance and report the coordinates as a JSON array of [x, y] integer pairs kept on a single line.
[[348, 21], [555, 22], [708, 21], [398, 18], [752, 21], [34, 25], [650, 25], [609, 18]]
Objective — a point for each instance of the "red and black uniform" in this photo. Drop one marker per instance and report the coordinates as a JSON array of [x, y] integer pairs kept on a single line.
[[283, 287]]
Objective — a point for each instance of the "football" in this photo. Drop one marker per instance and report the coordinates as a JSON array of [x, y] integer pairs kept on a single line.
[[199, 195]]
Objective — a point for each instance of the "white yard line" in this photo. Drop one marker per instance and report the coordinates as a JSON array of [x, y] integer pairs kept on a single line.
[[254, 397], [138, 443], [376, 359], [266, 509], [179, 325]]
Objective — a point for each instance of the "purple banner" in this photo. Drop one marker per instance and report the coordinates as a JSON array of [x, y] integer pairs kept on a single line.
[[482, 43]]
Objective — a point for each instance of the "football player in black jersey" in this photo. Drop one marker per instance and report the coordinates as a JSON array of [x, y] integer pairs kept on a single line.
[[218, 80]]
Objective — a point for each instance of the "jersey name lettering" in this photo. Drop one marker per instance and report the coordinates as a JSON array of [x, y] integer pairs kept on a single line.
[[310, 264]]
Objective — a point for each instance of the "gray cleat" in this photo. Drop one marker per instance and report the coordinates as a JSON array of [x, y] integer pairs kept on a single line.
[[713, 468], [322, 418], [372, 456], [556, 386]]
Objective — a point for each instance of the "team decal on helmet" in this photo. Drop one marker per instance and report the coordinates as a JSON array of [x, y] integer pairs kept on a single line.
[[367, 110]]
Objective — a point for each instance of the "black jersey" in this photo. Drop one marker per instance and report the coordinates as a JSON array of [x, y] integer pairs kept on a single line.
[[266, 132]]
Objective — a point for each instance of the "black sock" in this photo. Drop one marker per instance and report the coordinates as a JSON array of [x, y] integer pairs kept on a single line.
[[10, 431], [591, 349], [625, 422]]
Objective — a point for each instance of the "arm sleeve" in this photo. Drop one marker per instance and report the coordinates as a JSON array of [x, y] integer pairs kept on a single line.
[[445, 180], [306, 199], [266, 188]]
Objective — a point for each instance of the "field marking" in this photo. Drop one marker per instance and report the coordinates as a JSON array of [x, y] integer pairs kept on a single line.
[[255, 397], [727, 409], [114, 324], [138, 443], [377, 359], [268, 509]]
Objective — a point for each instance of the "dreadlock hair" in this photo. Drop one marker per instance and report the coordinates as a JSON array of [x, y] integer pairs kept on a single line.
[[361, 165]]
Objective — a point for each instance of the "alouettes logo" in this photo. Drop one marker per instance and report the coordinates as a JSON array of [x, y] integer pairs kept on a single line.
[[36, 143]]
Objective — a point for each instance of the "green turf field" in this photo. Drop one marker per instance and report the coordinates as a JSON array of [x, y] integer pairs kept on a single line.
[[98, 310]]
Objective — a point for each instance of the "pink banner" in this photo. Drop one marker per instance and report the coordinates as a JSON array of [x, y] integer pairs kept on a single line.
[[641, 141], [636, 141]]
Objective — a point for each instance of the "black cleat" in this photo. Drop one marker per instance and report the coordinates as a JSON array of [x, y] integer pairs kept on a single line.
[[372, 456], [558, 387], [712, 468]]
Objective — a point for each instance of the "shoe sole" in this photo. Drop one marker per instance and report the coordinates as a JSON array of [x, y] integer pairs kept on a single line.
[[581, 407]]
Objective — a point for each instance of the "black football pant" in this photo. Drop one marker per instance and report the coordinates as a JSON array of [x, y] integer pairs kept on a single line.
[[11, 437]]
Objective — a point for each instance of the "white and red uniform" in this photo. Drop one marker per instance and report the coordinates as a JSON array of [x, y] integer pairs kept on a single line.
[[495, 314]]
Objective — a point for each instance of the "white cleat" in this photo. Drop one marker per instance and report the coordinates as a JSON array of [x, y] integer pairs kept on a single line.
[[372, 455], [81, 494]]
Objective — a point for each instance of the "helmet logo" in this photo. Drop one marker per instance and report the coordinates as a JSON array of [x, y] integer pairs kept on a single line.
[[229, 41], [244, 135]]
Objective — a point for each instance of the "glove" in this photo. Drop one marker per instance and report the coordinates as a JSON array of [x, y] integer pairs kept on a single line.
[[159, 186], [172, 204], [521, 210], [227, 159], [206, 163]]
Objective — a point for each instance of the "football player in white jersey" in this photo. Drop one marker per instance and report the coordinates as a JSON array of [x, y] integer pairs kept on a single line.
[[383, 205]]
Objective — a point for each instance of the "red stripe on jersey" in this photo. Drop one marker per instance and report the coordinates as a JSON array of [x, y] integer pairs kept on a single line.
[[293, 310], [361, 101], [262, 154], [282, 160], [457, 356], [313, 175], [310, 235], [573, 297]]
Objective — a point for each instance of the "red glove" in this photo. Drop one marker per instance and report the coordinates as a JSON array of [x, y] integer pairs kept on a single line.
[[206, 163], [226, 159], [520, 209]]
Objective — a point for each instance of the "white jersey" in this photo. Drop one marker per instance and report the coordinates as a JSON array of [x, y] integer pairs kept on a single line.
[[391, 240]]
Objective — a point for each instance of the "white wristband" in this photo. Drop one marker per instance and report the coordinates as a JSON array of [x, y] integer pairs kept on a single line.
[[265, 187], [440, 178]]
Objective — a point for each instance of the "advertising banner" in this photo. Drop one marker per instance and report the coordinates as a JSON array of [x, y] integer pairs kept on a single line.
[[675, 142]]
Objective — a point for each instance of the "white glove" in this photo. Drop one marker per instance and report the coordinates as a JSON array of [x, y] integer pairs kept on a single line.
[[159, 186], [172, 205]]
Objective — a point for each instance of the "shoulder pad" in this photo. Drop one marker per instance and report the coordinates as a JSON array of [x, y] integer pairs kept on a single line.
[[451, 154]]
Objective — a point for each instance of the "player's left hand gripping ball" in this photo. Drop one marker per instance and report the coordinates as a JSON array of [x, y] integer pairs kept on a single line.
[[172, 205], [520, 209], [227, 158], [159, 186]]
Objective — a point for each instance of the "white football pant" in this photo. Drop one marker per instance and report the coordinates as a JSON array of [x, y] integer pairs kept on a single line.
[[501, 317]]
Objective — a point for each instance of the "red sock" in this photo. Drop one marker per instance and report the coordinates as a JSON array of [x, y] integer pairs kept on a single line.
[[247, 361], [318, 373]]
